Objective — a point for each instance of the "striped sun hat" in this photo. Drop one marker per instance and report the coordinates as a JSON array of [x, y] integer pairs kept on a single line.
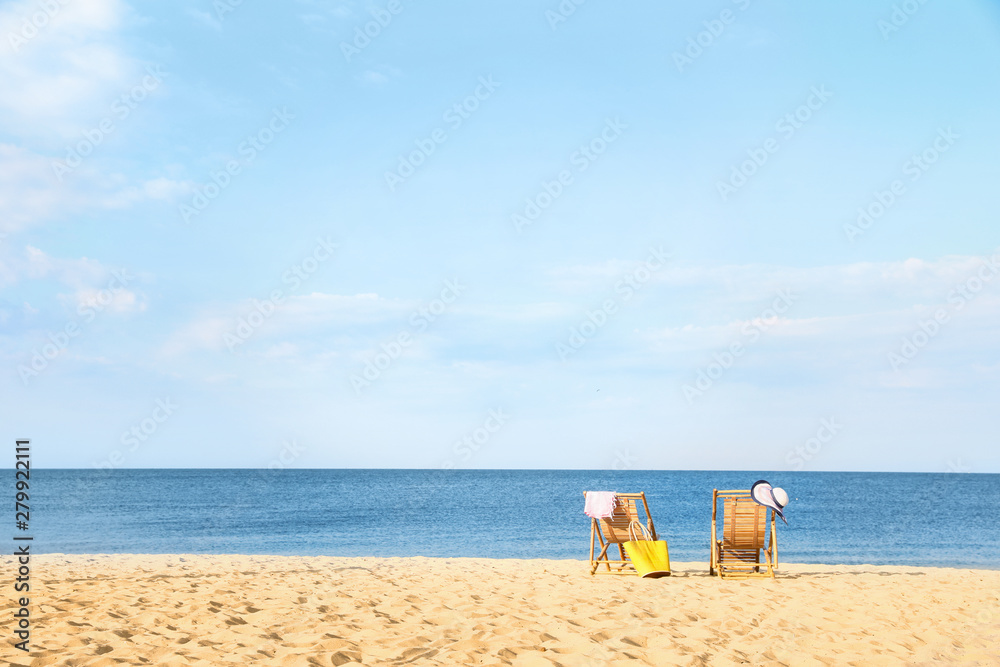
[[764, 494]]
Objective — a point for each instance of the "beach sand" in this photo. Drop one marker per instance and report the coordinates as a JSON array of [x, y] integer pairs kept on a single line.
[[272, 610]]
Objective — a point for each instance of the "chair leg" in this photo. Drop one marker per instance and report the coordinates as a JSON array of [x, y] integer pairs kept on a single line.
[[604, 550], [593, 568], [774, 542], [714, 554], [602, 557]]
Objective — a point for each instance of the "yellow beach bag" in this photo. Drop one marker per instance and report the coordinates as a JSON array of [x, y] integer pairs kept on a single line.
[[650, 557]]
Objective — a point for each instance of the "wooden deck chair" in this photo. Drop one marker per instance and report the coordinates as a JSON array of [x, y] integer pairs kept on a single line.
[[744, 537], [614, 531]]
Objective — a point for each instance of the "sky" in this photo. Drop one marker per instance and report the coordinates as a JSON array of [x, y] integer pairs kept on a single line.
[[531, 234]]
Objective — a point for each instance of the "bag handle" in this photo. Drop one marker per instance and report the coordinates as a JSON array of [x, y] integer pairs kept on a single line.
[[646, 536]]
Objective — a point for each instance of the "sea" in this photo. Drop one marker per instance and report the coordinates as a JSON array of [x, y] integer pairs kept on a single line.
[[950, 520]]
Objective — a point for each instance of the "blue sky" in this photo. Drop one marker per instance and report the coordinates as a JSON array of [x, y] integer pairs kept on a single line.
[[687, 284]]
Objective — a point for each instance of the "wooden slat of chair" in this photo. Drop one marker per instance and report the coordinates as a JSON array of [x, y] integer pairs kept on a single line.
[[613, 531]]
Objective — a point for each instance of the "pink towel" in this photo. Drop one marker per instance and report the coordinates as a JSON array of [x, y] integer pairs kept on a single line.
[[600, 504]]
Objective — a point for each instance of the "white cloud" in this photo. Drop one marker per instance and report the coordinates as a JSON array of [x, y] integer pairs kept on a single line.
[[91, 283], [26, 192], [35, 264], [294, 316], [337, 8], [909, 280], [124, 196], [166, 189], [283, 350], [205, 333], [60, 65], [29, 193], [378, 76], [314, 20], [683, 320], [373, 77], [349, 317], [836, 308], [205, 19], [112, 299], [321, 309]]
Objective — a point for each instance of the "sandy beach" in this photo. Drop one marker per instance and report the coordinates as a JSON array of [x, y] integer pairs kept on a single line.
[[271, 610]]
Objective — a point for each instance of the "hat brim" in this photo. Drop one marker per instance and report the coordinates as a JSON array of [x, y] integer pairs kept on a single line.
[[761, 494]]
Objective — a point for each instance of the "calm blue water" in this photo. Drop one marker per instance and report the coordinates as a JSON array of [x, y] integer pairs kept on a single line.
[[878, 518]]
